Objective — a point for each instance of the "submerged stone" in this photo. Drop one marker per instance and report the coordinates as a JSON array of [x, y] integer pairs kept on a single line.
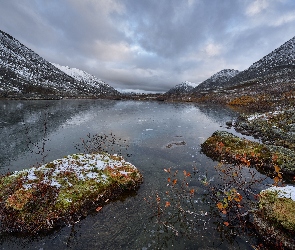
[[62, 191]]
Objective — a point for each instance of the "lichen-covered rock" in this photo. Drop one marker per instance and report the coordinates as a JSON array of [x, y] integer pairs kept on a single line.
[[275, 219], [224, 146], [63, 190]]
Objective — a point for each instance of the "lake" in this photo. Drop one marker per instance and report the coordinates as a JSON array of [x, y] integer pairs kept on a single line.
[[151, 135]]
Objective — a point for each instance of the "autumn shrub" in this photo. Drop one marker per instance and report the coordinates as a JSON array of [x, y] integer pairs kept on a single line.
[[243, 100]]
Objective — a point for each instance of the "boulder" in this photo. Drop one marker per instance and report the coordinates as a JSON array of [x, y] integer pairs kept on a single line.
[[62, 191]]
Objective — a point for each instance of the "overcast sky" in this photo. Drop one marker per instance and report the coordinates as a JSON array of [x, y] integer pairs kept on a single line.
[[150, 45]]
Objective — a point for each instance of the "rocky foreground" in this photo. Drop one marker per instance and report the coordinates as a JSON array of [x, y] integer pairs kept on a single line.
[[63, 191], [274, 156], [275, 219]]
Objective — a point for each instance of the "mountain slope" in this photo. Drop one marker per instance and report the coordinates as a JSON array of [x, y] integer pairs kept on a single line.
[[93, 84], [180, 89], [276, 67], [24, 74], [217, 80]]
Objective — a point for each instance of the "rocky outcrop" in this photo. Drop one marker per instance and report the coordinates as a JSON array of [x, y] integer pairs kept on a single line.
[[273, 160], [275, 220], [63, 191]]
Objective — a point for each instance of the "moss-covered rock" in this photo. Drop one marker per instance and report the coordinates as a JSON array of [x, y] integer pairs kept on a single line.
[[275, 219], [63, 190], [224, 146], [277, 208], [274, 128]]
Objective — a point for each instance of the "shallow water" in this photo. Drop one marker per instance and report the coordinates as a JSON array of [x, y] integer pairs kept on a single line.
[[153, 136]]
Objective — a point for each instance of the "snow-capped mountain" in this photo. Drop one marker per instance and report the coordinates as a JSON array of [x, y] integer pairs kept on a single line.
[[283, 56], [24, 74], [217, 80], [276, 67], [180, 89], [94, 84]]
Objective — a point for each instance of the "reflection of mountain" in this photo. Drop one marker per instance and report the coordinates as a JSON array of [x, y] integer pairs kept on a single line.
[[22, 122]]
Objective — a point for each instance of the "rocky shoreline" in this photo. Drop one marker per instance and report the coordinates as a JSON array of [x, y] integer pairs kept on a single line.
[[273, 128], [274, 156]]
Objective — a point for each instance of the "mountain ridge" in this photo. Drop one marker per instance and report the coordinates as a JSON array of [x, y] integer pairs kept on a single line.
[[217, 80], [179, 89], [25, 74], [276, 67], [98, 86]]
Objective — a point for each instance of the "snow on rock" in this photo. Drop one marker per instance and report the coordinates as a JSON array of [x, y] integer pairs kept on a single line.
[[264, 116], [63, 190], [283, 192], [84, 166]]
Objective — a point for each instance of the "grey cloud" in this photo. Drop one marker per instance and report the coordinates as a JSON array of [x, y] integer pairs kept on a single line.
[[171, 29], [150, 45]]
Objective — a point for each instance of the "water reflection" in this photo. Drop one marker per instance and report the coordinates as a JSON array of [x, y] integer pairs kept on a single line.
[[23, 122], [147, 128]]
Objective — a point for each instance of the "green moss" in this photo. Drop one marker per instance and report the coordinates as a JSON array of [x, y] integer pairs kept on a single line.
[[60, 191], [280, 211], [224, 146]]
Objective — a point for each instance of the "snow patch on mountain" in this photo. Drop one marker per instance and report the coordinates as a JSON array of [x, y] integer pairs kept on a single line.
[[80, 75], [95, 85], [190, 84], [277, 67], [182, 88], [217, 80], [223, 74], [25, 74], [282, 56]]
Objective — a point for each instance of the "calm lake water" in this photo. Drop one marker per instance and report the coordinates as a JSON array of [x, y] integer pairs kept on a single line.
[[153, 136]]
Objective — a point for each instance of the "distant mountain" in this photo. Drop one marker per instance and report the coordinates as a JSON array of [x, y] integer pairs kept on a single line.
[[24, 74], [93, 84], [276, 67], [181, 89], [217, 80]]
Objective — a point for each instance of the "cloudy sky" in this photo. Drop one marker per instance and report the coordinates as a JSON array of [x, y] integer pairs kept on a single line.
[[150, 45]]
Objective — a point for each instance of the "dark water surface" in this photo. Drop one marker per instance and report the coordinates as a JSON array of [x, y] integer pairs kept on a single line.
[[158, 135]]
